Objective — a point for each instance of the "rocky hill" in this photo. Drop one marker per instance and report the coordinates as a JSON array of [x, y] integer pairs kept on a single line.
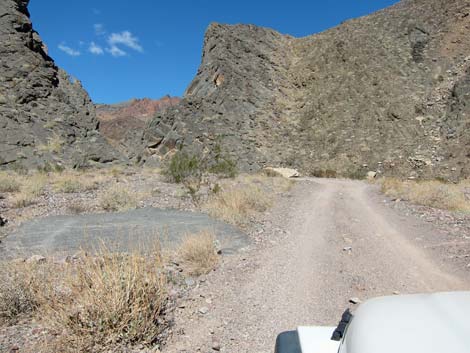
[[388, 92], [126, 121], [46, 117]]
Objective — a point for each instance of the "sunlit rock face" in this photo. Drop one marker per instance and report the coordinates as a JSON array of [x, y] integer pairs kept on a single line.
[[387, 92], [46, 117]]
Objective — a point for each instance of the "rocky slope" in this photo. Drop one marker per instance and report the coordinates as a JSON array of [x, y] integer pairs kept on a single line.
[[46, 117], [126, 121], [387, 92]]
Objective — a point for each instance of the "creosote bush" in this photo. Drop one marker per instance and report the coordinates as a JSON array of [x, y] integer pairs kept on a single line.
[[182, 166]]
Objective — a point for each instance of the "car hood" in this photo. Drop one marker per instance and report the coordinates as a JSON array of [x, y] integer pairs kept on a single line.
[[419, 323]]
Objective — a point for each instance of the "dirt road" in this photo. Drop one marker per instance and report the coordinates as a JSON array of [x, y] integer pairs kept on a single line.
[[342, 242]]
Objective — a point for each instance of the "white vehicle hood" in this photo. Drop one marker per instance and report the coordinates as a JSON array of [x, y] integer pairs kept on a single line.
[[420, 323]]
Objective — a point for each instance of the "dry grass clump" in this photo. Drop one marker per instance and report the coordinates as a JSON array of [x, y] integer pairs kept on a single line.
[[54, 144], [98, 301], [199, 253], [118, 199], [32, 187], [17, 291], [432, 193], [247, 194], [113, 298], [76, 207], [8, 183], [73, 183]]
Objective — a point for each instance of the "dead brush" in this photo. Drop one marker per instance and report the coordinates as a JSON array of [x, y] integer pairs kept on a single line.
[[91, 304], [432, 193], [198, 253], [118, 199], [17, 291], [108, 299], [244, 196], [9, 182]]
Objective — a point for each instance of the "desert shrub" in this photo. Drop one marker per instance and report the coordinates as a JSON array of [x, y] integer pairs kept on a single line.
[[199, 253], [109, 298], [324, 173], [92, 303], [355, 173], [221, 164], [54, 144], [32, 187], [118, 199], [236, 204], [17, 291], [68, 185], [271, 173], [76, 207], [23, 200], [224, 167], [34, 184], [182, 166], [47, 167], [432, 193], [9, 183], [235, 200], [73, 183]]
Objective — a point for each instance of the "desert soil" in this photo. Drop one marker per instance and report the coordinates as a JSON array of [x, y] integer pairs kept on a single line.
[[331, 241]]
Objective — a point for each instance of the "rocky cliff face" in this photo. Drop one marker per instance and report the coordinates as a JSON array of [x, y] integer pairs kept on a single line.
[[45, 116], [387, 92]]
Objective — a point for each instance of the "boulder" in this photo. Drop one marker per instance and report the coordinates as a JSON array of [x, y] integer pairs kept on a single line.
[[285, 172], [371, 175]]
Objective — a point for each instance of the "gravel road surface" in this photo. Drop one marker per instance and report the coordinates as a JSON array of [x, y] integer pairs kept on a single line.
[[342, 242]]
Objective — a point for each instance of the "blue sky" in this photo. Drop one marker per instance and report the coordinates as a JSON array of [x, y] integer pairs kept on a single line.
[[148, 48]]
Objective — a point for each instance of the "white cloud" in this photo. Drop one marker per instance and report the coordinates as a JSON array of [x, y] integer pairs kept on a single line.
[[95, 49], [99, 29], [67, 50], [125, 38], [115, 51], [96, 11]]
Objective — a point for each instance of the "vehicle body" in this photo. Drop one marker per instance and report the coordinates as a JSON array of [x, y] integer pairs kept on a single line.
[[416, 323]]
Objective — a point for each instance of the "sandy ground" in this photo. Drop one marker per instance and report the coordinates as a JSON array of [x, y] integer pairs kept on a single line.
[[335, 239]]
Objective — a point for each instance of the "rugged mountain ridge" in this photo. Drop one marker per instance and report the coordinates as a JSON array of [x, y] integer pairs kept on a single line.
[[143, 108], [46, 117], [125, 121], [386, 92]]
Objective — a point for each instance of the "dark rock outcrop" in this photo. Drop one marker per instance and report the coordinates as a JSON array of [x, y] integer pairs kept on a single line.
[[46, 117], [386, 92]]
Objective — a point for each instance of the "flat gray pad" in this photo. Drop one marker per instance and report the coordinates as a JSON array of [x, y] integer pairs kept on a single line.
[[136, 229]]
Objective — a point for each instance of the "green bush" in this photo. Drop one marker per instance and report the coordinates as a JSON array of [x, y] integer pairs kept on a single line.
[[225, 167], [182, 167]]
